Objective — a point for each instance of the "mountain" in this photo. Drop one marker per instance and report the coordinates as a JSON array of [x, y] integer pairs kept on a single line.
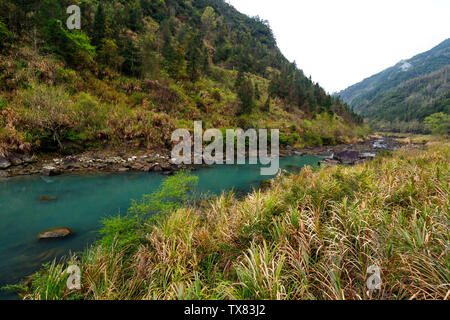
[[407, 92], [137, 69]]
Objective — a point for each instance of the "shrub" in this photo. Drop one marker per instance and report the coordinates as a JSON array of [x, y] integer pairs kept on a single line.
[[438, 123], [47, 111], [312, 139], [174, 192], [120, 231]]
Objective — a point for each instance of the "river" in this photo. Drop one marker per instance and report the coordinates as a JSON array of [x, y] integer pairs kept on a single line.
[[81, 201]]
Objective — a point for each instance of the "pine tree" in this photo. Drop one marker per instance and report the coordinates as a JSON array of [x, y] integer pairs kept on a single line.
[[245, 94], [194, 57], [99, 25]]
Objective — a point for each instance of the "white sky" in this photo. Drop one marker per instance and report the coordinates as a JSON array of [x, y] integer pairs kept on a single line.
[[341, 42]]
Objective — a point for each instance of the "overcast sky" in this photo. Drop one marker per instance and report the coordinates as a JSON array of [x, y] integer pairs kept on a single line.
[[341, 42]]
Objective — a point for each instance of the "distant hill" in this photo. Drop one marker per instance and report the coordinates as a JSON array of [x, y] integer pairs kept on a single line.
[[407, 92]]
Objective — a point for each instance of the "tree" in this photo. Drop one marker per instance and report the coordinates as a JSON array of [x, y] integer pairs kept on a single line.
[[74, 46], [245, 94], [208, 21], [45, 109], [109, 54], [257, 93], [194, 57], [438, 123], [99, 25]]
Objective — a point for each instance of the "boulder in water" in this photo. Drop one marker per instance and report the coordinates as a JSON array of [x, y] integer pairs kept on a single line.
[[56, 233], [347, 157], [50, 171], [47, 198]]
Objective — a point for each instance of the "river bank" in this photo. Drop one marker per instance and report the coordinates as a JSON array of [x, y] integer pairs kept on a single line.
[[150, 161]]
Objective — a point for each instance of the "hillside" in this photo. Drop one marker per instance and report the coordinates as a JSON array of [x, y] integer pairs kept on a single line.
[[407, 92], [139, 69]]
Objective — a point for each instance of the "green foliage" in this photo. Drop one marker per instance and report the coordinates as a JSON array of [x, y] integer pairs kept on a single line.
[[50, 282], [121, 231], [289, 140], [99, 25], [438, 123], [245, 93], [174, 192], [45, 112], [74, 45], [5, 35], [3, 103], [312, 139]]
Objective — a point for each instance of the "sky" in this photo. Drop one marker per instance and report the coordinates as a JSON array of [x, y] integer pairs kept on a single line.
[[341, 42]]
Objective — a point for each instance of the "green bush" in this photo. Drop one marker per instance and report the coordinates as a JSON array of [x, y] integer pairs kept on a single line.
[[174, 192], [312, 139], [438, 123], [122, 231]]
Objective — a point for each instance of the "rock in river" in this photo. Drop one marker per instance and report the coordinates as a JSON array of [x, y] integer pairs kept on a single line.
[[56, 233], [347, 157], [47, 198], [50, 171]]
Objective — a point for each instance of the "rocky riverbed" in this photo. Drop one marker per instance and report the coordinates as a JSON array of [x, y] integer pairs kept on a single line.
[[352, 153], [16, 165], [88, 162]]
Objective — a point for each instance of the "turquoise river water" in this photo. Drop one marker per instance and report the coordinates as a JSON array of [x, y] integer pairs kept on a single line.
[[82, 201]]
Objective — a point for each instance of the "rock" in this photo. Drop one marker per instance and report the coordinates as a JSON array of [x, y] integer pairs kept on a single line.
[[157, 168], [16, 161], [4, 174], [124, 169], [367, 155], [56, 233], [28, 159], [347, 157], [47, 198], [329, 162], [50, 171], [4, 163]]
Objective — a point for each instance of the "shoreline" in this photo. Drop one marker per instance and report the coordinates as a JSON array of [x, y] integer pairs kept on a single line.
[[146, 161]]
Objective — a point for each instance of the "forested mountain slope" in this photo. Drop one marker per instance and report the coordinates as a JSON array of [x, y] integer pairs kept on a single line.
[[407, 92], [136, 70]]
